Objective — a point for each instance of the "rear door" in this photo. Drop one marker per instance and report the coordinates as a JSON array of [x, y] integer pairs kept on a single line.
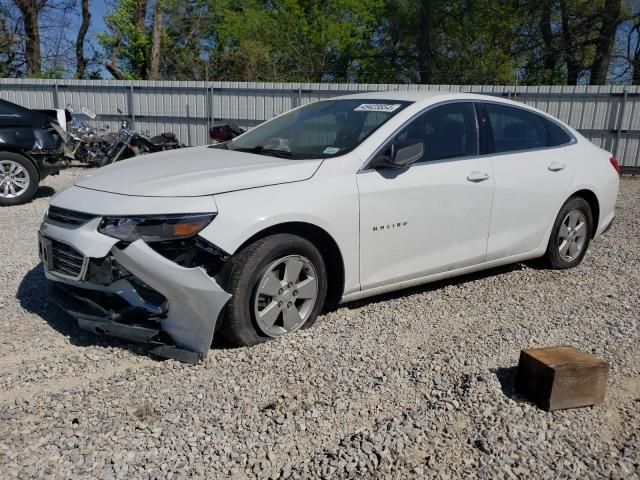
[[531, 179]]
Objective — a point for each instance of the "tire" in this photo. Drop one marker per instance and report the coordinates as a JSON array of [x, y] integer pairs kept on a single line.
[[105, 158], [18, 179], [257, 269], [566, 249], [102, 160]]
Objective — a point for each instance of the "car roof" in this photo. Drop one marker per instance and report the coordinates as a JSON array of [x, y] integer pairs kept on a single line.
[[20, 115], [13, 106], [426, 96], [407, 95]]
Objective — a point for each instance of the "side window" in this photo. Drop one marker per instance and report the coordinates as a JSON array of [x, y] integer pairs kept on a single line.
[[447, 131], [515, 129], [556, 135]]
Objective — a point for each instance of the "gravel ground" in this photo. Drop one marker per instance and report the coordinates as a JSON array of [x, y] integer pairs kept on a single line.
[[411, 385]]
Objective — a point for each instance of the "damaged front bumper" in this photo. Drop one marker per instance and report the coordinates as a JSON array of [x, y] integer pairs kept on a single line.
[[49, 162], [131, 291]]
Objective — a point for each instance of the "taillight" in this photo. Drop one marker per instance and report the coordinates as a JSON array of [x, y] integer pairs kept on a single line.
[[615, 164]]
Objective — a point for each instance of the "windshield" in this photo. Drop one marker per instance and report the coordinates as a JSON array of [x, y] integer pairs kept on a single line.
[[322, 129], [78, 119]]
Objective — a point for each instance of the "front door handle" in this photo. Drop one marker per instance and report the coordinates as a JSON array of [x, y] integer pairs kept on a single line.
[[477, 176], [556, 166]]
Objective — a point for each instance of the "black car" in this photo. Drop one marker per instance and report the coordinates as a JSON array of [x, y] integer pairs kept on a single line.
[[30, 149]]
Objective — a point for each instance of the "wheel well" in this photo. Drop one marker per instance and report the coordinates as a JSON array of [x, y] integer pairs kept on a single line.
[[328, 249], [592, 200], [17, 151]]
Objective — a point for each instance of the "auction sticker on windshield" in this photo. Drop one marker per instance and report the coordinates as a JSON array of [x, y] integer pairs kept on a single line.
[[377, 107], [331, 150]]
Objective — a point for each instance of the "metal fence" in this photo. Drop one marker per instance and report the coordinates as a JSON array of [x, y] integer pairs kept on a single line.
[[607, 115]]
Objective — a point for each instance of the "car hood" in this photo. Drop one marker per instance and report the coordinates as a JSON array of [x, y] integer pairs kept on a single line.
[[193, 172]]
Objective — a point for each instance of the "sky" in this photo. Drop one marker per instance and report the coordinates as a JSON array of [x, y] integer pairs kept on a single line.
[[98, 9]]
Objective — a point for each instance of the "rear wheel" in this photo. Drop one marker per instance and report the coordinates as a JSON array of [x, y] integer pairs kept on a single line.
[[278, 285], [18, 179], [570, 235]]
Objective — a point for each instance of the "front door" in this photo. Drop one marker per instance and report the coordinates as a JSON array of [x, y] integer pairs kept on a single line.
[[434, 215]]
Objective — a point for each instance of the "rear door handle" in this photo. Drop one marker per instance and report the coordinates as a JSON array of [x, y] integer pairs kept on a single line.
[[477, 176], [556, 166]]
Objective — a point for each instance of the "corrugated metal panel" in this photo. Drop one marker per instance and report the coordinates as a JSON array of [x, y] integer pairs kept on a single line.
[[188, 108]]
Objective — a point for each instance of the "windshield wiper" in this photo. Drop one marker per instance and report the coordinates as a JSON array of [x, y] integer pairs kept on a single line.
[[260, 150], [277, 153]]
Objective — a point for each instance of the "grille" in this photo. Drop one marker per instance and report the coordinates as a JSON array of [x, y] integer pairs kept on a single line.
[[66, 260], [68, 217]]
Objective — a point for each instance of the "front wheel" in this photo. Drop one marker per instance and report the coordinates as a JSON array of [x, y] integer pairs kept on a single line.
[[278, 285], [18, 179], [570, 235], [103, 159]]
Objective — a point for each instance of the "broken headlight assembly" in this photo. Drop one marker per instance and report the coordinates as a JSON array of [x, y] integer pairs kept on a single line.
[[155, 228]]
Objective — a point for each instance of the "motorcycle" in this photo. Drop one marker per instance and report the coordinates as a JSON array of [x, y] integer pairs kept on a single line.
[[83, 142], [129, 143], [226, 132]]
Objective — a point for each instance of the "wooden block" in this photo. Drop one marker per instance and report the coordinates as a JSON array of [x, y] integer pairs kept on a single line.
[[561, 377]]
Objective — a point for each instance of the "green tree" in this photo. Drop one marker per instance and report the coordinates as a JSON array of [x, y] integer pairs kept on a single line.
[[9, 61], [574, 41], [412, 41], [127, 42], [294, 40]]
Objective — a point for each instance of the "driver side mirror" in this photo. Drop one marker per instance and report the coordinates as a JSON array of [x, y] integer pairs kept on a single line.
[[399, 154]]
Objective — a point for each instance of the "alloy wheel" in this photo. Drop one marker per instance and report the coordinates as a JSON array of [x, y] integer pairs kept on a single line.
[[572, 235], [285, 295], [14, 179]]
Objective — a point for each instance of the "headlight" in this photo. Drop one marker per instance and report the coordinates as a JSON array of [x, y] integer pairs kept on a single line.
[[154, 228]]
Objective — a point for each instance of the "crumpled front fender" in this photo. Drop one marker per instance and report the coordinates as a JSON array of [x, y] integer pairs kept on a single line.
[[195, 299]]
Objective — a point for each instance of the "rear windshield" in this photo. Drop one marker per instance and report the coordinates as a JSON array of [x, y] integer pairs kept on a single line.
[[323, 129], [9, 109]]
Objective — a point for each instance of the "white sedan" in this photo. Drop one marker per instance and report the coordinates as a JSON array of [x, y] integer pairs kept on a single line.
[[331, 202]]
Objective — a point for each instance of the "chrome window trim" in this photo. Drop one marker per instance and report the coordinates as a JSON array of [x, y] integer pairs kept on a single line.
[[365, 166], [527, 150]]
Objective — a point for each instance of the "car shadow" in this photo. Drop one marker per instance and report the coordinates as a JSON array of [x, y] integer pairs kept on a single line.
[[32, 295], [44, 191], [437, 285], [33, 298]]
